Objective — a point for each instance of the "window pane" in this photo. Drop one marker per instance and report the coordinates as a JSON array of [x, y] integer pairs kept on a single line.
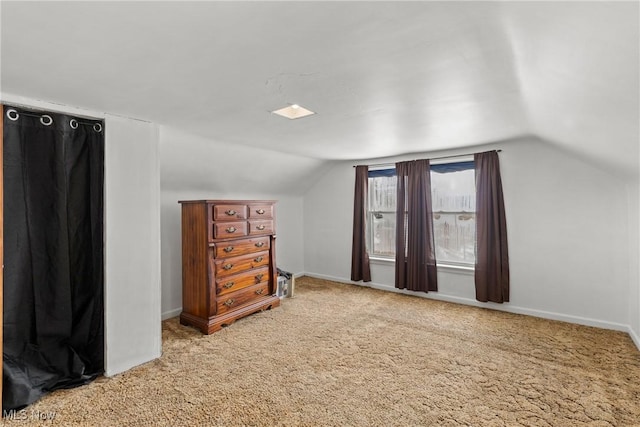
[[382, 194], [383, 236], [382, 216], [454, 191], [455, 236], [454, 204]]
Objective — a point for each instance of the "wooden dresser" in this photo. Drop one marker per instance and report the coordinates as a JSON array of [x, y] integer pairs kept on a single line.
[[228, 261]]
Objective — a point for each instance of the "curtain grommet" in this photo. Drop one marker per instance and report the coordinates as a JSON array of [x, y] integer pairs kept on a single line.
[[13, 115], [46, 120], [97, 127], [73, 123]]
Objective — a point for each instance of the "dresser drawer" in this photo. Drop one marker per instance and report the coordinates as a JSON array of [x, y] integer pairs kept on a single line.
[[261, 211], [228, 212], [229, 229], [241, 247], [228, 266], [239, 298], [260, 227], [236, 282]]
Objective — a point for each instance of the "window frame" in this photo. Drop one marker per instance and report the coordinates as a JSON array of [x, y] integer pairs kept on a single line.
[[449, 266]]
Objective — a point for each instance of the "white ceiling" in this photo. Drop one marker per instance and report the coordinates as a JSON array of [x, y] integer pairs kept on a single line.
[[384, 78]]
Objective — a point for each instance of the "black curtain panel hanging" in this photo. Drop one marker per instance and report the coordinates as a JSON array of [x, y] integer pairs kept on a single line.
[[53, 262]]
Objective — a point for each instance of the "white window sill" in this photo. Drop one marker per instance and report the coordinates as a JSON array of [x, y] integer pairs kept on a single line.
[[382, 261], [449, 268], [459, 269]]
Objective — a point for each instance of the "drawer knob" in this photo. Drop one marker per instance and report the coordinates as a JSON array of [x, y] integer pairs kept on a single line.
[[228, 285], [259, 259], [227, 266], [259, 244], [259, 291], [260, 227], [229, 302], [259, 277], [228, 249], [231, 230], [230, 212], [260, 211]]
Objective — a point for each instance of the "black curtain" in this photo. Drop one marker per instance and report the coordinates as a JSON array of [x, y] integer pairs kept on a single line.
[[415, 247], [492, 252], [360, 269], [53, 243]]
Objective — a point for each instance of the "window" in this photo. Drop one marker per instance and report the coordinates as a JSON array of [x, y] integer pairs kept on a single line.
[[381, 220], [453, 198], [453, 195]]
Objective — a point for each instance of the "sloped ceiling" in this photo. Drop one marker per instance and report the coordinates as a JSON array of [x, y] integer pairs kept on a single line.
[[385, 78]]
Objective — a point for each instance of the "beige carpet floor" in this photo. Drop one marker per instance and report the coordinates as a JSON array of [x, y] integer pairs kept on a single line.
[[343, 355]]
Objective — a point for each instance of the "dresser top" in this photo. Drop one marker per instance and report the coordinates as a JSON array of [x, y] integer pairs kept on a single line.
[[228, 202]]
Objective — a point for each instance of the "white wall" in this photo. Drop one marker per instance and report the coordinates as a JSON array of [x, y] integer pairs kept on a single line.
[[132, 236], [193, 167], [567, 223], [634, 261], [132, 260]]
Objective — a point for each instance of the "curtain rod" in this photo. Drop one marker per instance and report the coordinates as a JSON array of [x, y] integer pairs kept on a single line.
[[46, 119], [433, 158]]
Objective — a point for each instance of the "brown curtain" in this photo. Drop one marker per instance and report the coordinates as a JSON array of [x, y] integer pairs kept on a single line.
[[359, 257], [492, 257], [415, 248]]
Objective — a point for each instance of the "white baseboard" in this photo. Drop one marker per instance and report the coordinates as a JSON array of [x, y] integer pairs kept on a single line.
[[500, 307], [171, 313], [634, 337], [112, 369], [470, 302]]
